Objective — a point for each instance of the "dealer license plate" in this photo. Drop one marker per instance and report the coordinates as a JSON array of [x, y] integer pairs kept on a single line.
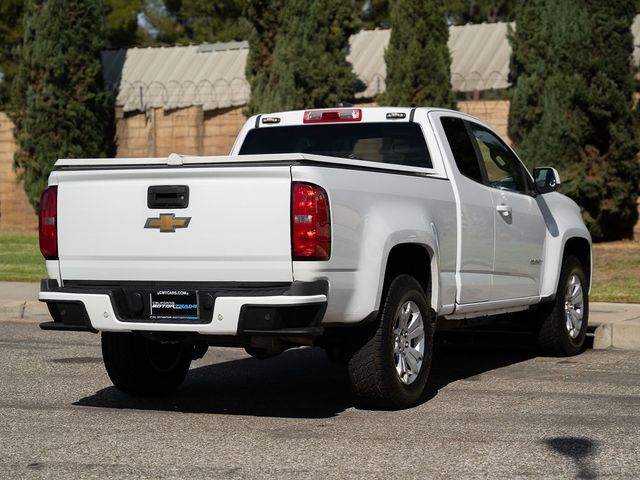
[[174, 305]]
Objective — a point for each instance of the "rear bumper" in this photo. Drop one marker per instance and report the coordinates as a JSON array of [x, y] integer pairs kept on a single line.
[[290, 309]]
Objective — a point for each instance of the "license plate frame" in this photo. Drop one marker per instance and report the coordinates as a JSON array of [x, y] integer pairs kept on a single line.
[[174, 305]]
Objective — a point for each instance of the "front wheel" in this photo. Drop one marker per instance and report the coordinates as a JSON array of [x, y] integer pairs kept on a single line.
[[564, 328], [391, 364], [138, 365]]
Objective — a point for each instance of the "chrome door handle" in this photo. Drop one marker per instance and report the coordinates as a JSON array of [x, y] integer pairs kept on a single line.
[[504, 210]]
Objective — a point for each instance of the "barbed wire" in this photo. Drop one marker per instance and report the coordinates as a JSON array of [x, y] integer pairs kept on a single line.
[[223, 93], [211, 95]]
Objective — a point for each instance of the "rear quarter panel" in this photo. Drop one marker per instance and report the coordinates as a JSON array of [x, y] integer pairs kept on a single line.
[[371, 212]]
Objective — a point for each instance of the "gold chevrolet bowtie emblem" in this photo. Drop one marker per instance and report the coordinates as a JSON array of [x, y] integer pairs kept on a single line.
[[167, 222]]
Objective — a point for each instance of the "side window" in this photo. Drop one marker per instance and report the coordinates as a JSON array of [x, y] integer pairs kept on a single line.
[[462, 148], [504, 170]]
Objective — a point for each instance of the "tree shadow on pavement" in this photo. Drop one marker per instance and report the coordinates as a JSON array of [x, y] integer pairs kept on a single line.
[[581, 451], [300, 383]]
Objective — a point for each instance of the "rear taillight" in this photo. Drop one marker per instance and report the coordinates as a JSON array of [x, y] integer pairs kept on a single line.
[[48, 223], [310, 222]]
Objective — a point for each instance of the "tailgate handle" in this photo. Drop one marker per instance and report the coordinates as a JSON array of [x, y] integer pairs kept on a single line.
[[168, 196]]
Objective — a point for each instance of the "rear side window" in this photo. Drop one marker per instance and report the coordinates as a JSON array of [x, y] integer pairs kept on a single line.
[[396, 143], [462, 148]]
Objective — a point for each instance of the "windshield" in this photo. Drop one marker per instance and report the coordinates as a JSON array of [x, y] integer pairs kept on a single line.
[[397, 143]]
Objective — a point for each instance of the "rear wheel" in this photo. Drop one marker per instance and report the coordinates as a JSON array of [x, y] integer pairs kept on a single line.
[[138, 365], [391, 364], [564, 329]]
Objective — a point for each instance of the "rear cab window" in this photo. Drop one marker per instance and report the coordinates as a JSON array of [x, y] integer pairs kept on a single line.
[[391, 143]]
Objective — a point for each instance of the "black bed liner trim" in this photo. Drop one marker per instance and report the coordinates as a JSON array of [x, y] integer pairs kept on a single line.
[[275, 163]]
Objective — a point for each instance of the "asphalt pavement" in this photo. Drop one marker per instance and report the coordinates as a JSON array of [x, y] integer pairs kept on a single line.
[[493, 410]]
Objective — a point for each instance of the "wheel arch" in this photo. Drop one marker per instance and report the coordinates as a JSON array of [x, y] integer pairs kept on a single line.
[[580, 248], [418, 260]]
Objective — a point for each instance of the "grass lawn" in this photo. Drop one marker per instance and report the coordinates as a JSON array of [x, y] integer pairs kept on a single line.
[[20, 258], [616, 272], [616, 265]]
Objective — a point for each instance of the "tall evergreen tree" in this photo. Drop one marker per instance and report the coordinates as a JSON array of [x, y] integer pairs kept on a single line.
[[417, 58], [196, 21], [572, 104], [479, 11], [10, 39], [61, 109], [123, 30], [264, 18], [308, 68], [375, 14]]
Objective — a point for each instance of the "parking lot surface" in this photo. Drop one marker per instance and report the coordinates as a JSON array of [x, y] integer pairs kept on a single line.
[[493, 410]]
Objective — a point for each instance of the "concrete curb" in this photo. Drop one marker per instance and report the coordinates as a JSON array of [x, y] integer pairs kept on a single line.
[[23, 311], [617, 325], [624, 335]]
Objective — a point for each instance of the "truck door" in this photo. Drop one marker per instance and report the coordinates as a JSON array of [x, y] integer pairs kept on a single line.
[[519, 226], [475, 219]]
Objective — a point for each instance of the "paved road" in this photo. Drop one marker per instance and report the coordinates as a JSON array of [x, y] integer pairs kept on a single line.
[[493, 411]]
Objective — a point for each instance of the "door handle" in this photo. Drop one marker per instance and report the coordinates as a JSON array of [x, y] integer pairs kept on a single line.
[[504, 210], [168, 196]]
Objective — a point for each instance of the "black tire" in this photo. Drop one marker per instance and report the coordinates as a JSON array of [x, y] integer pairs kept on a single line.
[[372, 366], [141, 366], [553, 334]]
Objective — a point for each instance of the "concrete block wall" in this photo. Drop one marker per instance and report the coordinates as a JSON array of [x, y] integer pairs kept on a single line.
[[494, 112], [188, 131], [221, 128], [178, 131], [132, 134], [16, 213]]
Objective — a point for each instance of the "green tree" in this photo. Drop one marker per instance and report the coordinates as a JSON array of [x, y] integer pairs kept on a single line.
[[61, 108], [264, 18], [196, 21], [308, 68], [375, 14], [123, 30], [479, 11], [572, 105], [10, 39], [417, 58], [459, 12]]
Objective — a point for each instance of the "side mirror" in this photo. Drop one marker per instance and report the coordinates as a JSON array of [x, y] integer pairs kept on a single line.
[[547, 179]]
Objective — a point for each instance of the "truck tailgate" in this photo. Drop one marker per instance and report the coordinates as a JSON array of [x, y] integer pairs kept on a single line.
[[238, 228]]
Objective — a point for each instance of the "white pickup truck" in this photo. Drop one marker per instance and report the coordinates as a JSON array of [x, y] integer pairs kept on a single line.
[[352, 229]]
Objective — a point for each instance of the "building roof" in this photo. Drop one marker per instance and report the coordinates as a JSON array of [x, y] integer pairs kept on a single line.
[[479, 58], [213, 75], [210, 75]]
